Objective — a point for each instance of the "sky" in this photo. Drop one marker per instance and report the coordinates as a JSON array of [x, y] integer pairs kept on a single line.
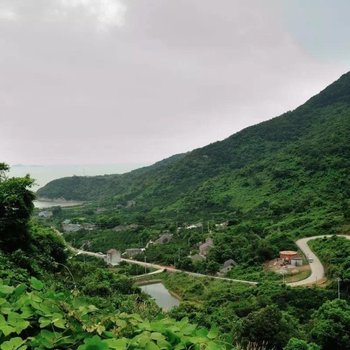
[[132, 81]]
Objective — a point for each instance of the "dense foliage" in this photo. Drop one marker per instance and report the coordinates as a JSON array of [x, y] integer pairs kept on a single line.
[[35, 318], [334, 253], [268, 316], [15, 209], [62, 314], [253, 195]]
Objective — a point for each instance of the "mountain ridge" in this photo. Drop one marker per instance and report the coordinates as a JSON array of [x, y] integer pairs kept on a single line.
[[267, 162]]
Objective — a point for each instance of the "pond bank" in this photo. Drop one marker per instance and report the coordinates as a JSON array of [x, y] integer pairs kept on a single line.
[[164, 298]]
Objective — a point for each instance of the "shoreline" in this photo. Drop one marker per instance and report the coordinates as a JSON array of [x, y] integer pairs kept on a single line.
[[155, 281], [42, 202]]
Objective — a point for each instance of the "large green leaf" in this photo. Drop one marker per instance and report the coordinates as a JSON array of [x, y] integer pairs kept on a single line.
[[157, 336], [36, 284], [45, 339], [58, 321], [117, 344], [94, 343], [20, 289], [213, 333], [5, 290], [14, 344], [2, 301], [6, 329], [16, 320], [152, 346], [214, 346]]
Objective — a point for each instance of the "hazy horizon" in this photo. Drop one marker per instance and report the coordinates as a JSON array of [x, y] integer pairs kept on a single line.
[[42, 174]]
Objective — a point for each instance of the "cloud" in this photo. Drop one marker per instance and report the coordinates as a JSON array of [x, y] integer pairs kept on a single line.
[[8, 14], [107, 13], [180, 74], [103, 14]]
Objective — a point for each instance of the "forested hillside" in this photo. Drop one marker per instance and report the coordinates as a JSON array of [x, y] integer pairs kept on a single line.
[[292, 171], [82, 305], [269, 184]]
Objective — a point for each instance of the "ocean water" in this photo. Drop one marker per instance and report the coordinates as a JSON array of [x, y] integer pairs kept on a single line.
[[46, 173]]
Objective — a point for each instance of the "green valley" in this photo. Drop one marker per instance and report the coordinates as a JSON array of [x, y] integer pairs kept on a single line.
[[233, 209]]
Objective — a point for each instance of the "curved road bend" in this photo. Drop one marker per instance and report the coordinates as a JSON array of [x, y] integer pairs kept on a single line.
[[317, 269]]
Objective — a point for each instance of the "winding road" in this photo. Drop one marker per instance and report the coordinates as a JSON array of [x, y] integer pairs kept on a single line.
[[317, 269]]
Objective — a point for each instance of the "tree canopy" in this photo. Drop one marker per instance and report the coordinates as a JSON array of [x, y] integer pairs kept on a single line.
[[16, 206]]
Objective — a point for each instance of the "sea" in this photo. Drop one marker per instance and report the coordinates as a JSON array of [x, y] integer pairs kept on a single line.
[[42, 174]]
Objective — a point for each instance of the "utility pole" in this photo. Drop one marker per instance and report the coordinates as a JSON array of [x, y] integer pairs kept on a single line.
[[338, 280], [284, 272]]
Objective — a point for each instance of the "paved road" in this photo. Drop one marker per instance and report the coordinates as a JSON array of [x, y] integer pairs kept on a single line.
[[317, 269], [161, 268], [172, 269], [147, 274]]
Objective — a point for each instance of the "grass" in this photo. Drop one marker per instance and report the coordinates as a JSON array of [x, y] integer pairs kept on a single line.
[[298, 276]]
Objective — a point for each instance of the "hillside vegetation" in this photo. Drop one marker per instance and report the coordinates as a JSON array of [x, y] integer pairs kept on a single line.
[[289, 174], [84, 305], [265, 185], [61, 314]]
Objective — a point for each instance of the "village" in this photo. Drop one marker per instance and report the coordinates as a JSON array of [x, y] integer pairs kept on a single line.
[[288, 263]]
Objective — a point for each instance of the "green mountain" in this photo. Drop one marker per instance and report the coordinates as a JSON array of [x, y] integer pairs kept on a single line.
[[289, 173]]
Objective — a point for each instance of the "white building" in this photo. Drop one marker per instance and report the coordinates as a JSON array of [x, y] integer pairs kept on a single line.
[[113, 257]]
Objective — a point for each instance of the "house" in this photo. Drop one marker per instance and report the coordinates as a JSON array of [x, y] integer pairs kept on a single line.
[[205, 247], [45, 214], [288, 255], [132, 252], [130, 204], [193, 226], [121, 228], [296, 261], [164, 238], [197, 258], [71, 227], [227, 266], [222, 225], [113, 257], [89, 227]]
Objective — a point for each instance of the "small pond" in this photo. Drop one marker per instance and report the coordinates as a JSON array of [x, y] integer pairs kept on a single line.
[[161, 295]]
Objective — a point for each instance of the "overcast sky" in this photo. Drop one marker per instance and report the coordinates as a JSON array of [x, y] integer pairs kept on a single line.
[[117, 81]]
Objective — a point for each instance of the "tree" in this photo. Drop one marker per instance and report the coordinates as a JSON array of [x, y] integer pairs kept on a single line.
[[16, 206], [297, 344], [267, 327], [331, 325]]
